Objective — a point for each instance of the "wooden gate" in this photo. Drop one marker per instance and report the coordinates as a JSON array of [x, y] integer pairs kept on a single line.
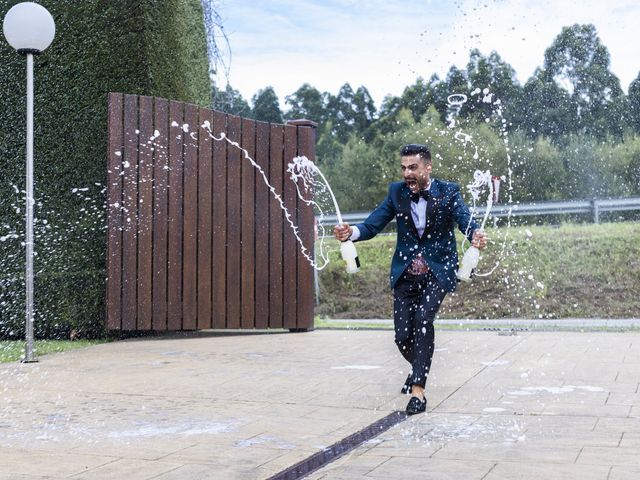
[[195, 238]]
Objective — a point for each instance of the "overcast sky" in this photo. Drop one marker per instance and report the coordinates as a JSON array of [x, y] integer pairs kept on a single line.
[[386, 44]]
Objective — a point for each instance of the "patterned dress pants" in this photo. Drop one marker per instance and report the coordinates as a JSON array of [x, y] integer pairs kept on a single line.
[[417, 299]]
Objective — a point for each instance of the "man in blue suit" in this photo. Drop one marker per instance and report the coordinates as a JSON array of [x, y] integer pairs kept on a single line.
[[423, 269]]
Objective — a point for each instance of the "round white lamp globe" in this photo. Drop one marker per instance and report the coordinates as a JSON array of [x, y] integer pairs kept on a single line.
[[29, 27]]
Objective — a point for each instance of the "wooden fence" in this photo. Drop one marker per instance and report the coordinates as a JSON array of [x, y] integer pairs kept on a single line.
[[195, 238]]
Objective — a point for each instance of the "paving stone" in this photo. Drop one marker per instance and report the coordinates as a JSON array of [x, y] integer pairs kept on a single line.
[[631, 440], [200, 406], [617, 424], [558, 408], [623, 456], [628, 375], [508, 451], [538, 470], [238, 455], [127, 468], [15, 462], [624, 473], [194, 472], [624, 398], [14, 476], [421, 468]]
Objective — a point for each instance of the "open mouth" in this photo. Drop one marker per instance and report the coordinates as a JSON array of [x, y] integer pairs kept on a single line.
[[411, 183]]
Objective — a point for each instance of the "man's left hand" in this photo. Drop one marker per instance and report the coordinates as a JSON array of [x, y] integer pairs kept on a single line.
[[479, 239]]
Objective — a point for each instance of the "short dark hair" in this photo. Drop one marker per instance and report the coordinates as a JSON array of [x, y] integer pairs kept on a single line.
[[416, 149]]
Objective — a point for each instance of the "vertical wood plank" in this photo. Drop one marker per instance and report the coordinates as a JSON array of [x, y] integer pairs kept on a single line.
[[234, 185], [145, 211], [248, 251], [160, 213], [190, 225], [305, 298], [195, 237], [262, 253], [130, 209], [291, 247], [276, 146], [174, 267], [114, 202], [205, 203], [219, 234]]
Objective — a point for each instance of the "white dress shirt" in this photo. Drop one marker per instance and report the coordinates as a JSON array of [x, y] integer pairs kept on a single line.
[[418, 213]]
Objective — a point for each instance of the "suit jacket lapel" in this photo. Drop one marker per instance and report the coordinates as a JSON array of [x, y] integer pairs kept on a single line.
[[405, 208], [431, 213], [433, 203]]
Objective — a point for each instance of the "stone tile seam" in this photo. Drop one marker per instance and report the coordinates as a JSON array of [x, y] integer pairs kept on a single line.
[[87, 470], [490, 470]]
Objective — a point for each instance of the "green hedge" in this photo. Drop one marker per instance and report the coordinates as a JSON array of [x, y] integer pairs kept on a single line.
[[152, 47]]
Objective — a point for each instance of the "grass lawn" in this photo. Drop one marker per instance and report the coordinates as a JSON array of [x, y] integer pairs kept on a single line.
[[571, 270], [13, 351]]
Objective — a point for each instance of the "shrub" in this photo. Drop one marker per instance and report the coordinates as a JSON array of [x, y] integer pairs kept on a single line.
[[150, 47]]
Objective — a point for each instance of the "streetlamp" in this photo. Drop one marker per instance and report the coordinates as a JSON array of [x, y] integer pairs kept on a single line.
[[29, 28]]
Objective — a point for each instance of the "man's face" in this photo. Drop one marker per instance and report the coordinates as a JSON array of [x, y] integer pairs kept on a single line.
[[416, 172]]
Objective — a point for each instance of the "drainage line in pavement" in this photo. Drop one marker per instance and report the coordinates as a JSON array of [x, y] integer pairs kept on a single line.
[[338, 449]]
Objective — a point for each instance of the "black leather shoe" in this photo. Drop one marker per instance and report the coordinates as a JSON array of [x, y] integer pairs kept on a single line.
[[416, 405], [406, 388]]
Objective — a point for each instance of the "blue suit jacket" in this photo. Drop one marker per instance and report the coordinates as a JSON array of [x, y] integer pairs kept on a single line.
[[445, 209]]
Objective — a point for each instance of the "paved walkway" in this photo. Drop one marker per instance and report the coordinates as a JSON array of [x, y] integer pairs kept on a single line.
[[560, 405], [546, 324]]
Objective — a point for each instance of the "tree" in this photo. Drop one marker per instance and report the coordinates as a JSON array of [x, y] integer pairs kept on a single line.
[[455, 84], [364, 110], [417, 98], [390, 105], [307, 102], [634, 104], [538, 166], [387, 121], [495, 75], [578, 62], [440, 92], [218, 48], [328, 148], [350, 112], [230, 101], [544, 109], [266, 106]]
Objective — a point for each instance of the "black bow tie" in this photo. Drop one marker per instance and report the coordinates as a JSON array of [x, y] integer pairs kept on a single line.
[[415, 196]]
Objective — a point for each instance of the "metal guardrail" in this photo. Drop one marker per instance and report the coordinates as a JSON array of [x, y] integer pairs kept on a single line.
[[594, 207]]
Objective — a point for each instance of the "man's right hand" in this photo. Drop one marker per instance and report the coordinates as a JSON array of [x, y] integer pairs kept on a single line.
[[342, 232]]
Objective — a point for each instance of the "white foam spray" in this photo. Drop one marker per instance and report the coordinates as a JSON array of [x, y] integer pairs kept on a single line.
[[482, 179], [300, 168]]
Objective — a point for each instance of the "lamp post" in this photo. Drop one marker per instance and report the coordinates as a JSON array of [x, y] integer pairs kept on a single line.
[[29, 28]]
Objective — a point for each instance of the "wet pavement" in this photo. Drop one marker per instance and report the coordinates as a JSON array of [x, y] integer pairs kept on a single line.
[[559, 405]]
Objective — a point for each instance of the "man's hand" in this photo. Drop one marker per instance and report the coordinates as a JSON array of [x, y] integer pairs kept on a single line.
[[479, 239], [342, 232]]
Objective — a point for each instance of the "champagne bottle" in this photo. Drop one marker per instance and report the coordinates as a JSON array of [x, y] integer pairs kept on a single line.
[[469, 262], [350, 256]]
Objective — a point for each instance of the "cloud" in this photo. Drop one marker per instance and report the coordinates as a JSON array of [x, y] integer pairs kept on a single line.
[[521, 30], [326, 44], [386, 45]]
